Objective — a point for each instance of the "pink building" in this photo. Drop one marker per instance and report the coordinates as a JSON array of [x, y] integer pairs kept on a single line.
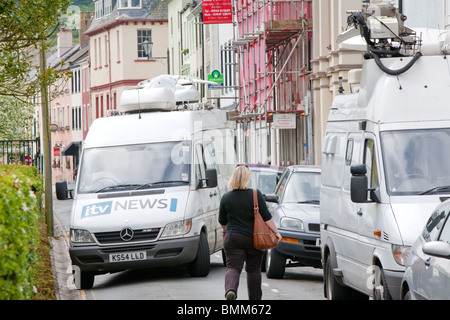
[[61, 109], [273, 46], [69, 101]]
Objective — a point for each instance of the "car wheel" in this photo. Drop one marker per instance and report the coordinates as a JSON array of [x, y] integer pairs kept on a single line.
[[407, 296], [200, 266], [275, 264]]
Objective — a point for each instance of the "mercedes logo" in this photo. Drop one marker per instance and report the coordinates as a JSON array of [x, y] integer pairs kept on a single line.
[[126, 234]]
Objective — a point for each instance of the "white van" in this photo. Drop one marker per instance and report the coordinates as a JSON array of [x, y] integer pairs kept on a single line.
[[148, 189], [385, 166]]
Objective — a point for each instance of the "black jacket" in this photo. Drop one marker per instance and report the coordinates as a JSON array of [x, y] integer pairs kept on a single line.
[[236, 211]]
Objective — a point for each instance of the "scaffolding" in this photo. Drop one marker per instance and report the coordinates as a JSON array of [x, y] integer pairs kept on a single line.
[[272, 43]]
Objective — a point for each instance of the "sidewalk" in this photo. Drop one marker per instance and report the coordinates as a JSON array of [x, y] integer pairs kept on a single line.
[[61, 264]]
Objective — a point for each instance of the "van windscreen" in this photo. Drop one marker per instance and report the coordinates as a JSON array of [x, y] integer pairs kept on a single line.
[[416, 161], [132, 167]]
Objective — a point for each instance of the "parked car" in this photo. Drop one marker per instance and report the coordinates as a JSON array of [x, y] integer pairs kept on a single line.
[[427, 274], [264, 176], [295, 209]]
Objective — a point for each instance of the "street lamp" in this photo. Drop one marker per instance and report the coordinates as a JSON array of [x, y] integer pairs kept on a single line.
[[148, 45]]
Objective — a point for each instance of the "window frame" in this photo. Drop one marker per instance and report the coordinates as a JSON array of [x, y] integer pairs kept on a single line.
[[146, 34], [129, 4]]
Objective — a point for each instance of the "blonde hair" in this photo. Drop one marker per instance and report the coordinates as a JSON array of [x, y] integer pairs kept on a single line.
[[240, 178]]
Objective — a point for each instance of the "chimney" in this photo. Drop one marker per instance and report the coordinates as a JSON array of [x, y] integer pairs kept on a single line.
[[64, 41], [85, 23]]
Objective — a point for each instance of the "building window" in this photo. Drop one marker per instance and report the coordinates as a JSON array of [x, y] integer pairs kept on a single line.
[[107, 7], [130, 4], [104, 8], [143, 35], [99, 9]]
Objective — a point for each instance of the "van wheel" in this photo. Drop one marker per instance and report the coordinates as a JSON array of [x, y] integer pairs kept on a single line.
[[84, 280], [275, 264], [380, 288], [334, 290], [200, 266]]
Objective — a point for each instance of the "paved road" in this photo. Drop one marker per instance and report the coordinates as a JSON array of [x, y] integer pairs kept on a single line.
[[175, 283]]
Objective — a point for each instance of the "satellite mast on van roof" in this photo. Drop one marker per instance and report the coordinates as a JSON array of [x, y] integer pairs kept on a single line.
[[161, 93]]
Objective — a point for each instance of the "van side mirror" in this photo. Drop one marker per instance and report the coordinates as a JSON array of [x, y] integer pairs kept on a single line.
[[211, 178], [62, 192], [358, 183]]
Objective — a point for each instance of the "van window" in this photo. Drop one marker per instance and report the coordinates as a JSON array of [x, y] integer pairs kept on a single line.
[[132, 167], [349, 152], [200, 164], [371, 163], [416, 161]]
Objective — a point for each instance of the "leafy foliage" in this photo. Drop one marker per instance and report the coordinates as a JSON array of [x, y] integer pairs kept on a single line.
[[24, 27], [20, 188], [15, 119]]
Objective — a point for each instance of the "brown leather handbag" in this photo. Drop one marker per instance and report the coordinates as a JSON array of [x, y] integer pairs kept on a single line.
[[263, 237]]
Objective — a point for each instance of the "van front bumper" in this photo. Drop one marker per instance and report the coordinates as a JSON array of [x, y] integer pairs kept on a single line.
[[158, 254], [394, 281]]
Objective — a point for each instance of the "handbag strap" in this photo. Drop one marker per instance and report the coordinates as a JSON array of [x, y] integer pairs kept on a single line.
[[255, 202]]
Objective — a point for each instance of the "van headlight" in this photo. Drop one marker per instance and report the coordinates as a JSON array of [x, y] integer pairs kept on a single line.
[[177, 228], [291, 224], [401, 254], [79, 236]]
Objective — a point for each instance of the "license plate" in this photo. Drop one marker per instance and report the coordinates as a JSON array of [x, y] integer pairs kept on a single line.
[[128, 256]]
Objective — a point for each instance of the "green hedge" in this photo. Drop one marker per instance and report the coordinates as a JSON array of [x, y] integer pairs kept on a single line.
[[20, 207]]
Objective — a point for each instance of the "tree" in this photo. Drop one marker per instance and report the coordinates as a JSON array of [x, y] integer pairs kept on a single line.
[[24, 27], [16, 119]]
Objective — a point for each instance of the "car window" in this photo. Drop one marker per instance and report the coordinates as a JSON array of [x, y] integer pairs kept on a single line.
[[434, 224], [445, 234], [282, 183], [302, 187]]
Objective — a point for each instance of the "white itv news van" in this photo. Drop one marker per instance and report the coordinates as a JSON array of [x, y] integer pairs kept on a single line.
[[385, 158], [149, 184]]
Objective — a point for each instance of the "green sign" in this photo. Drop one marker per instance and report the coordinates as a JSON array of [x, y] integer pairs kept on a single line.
[[217, 78]]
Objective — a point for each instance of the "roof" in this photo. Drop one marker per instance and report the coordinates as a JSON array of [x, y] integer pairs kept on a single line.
[[154, 10]]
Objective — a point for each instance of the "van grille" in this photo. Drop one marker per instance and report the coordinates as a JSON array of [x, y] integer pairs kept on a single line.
[[139, 235]]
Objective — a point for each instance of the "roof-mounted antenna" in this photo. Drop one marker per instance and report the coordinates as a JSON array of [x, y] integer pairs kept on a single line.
[[139, 103]]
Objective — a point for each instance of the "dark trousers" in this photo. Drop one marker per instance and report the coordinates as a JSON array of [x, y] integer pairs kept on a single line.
[[239, 249]]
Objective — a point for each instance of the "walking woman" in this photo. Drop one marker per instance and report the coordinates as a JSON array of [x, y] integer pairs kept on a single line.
[[236, 218]]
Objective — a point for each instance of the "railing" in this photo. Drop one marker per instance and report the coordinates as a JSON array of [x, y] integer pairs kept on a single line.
[[27, 152]]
